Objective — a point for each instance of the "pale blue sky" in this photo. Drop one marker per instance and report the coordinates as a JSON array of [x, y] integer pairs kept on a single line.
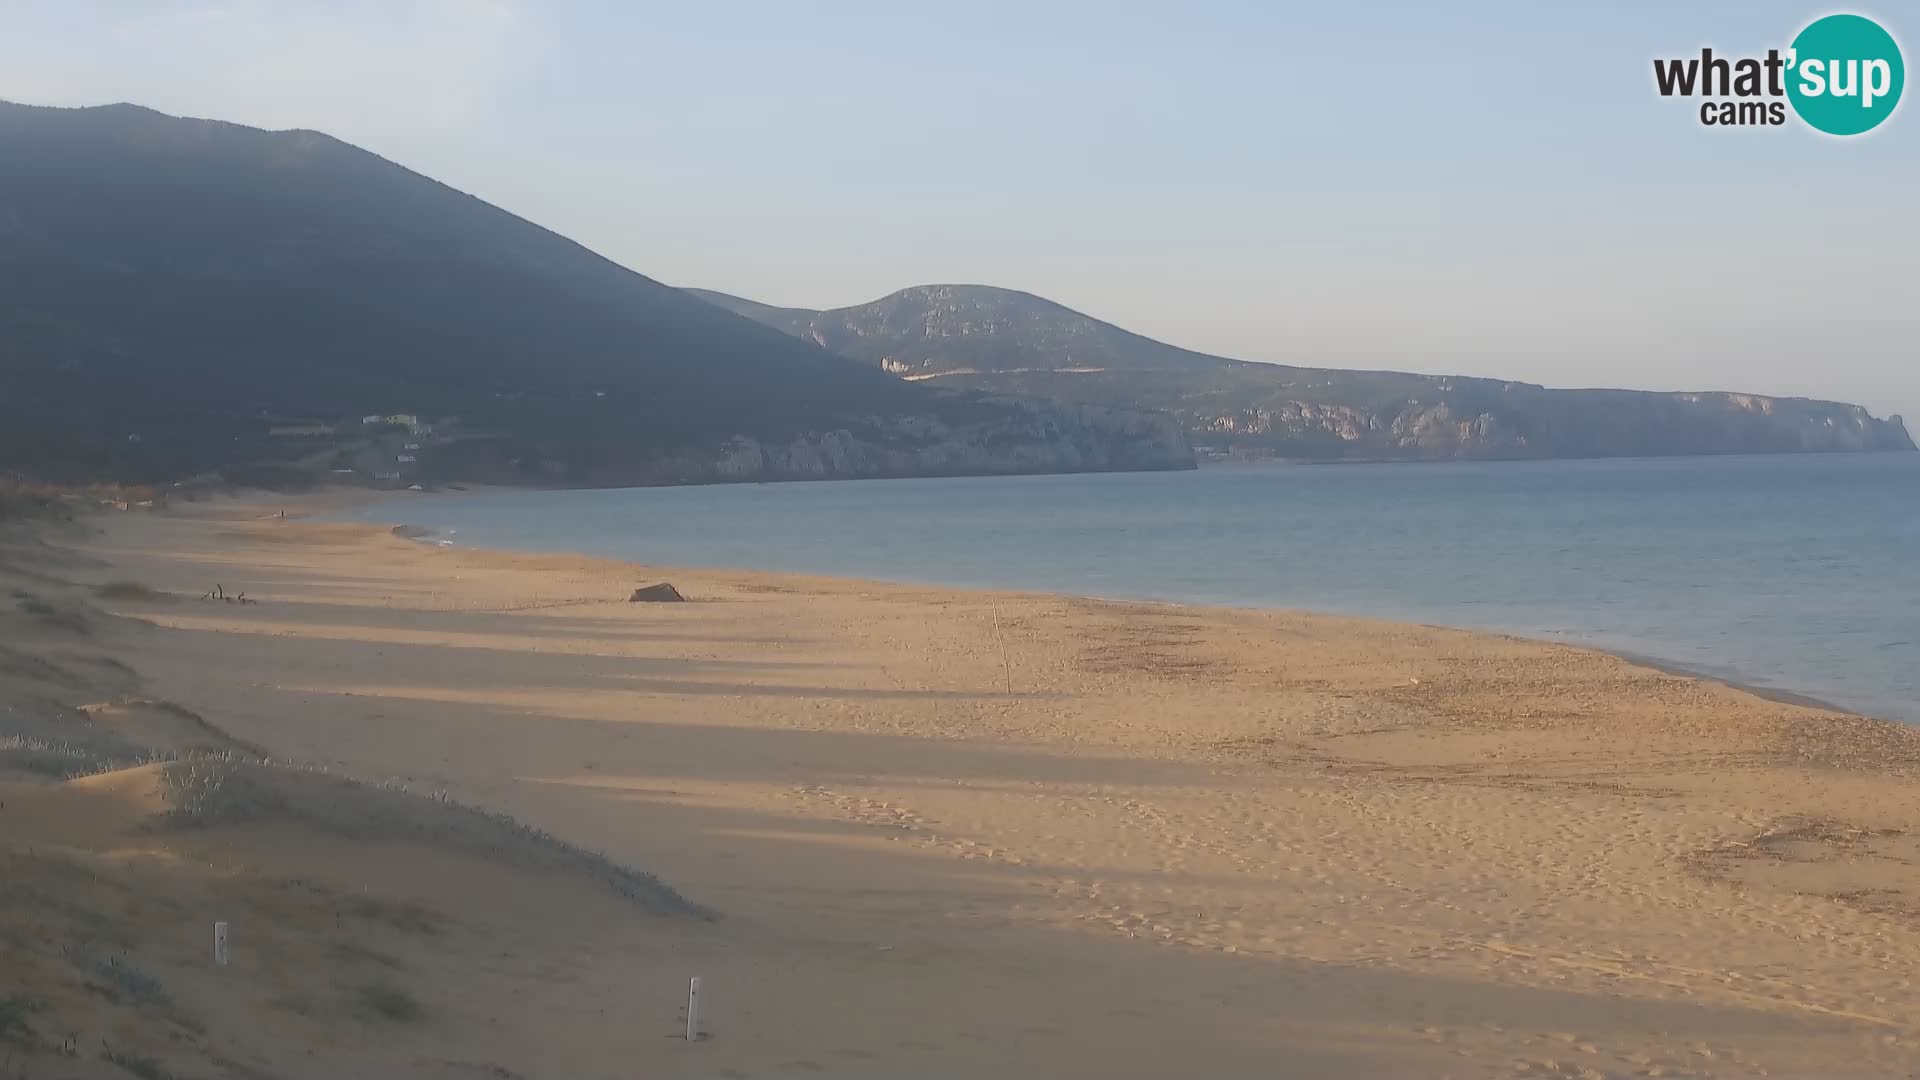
[[1491, 189]]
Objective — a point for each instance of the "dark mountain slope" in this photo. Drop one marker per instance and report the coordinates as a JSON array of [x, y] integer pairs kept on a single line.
[[1008, 342], [168, 287]]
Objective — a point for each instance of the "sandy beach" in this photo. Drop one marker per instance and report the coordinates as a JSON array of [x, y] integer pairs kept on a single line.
[[943, 832]]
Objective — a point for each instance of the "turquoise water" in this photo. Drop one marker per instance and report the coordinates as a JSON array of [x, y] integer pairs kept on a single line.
[[1793, 572]]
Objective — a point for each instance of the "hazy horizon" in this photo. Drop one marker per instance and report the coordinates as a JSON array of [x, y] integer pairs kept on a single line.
[[1497, 192]]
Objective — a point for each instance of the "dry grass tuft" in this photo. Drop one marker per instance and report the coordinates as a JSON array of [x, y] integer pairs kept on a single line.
[[133, 591], [15, 1029], [385, 1001], [139, 1065], [70, 620]]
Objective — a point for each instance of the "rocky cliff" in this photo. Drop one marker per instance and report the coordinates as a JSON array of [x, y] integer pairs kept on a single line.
[[1007, 342], [1521, 420], [1027, 437], [989, 437]]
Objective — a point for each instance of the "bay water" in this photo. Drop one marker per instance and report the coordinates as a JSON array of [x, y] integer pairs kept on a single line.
[[1792, 572]]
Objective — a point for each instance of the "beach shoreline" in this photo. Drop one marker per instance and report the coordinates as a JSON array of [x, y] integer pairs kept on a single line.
[[1730, 677], [949, 830]]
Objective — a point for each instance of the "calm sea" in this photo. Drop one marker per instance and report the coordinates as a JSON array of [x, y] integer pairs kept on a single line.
[[1793, 572]]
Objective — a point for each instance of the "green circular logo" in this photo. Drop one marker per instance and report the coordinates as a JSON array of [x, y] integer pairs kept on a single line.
[[1845, 75]]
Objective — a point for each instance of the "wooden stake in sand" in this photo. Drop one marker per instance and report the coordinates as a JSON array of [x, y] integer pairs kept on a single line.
[[220, 943], [1006, 665], [693, 1009]]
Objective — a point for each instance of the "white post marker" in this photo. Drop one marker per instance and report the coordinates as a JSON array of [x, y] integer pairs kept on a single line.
[[693, 1010], [220, 943]]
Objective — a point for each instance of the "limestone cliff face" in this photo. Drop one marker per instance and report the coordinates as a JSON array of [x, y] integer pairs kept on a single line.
[[1037, 438], [1004, 342], [1004, 437], [1528, 421]]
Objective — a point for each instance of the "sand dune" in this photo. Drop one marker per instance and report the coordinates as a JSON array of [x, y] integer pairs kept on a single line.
[[951, 832], [374, 931]]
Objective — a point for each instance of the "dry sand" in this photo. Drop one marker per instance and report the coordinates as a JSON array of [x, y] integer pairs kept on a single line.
[[962, 833]]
